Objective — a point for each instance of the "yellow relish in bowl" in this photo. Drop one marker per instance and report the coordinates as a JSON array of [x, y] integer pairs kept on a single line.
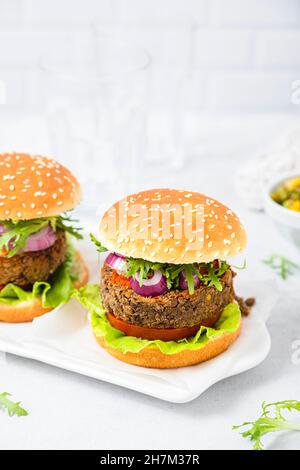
[[287, 194]]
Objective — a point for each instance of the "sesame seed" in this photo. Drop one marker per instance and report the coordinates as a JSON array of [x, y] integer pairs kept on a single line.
[[11, 187], [210, 244]]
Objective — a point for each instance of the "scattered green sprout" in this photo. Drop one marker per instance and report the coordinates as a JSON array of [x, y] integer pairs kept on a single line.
[[281, 265], [12, 408], [271, 420]]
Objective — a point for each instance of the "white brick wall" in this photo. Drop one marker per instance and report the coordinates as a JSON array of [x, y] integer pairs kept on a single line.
[[238, 54], [222, 48], [278, 48], [259, 13], [251, 90]]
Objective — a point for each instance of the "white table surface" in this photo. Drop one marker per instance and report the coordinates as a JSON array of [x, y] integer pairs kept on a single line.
[[68, 411]]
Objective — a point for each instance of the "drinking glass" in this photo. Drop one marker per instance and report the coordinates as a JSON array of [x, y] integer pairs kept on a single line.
[[95, 91]]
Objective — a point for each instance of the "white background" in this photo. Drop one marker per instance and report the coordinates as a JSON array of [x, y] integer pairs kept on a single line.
[[242, 54]]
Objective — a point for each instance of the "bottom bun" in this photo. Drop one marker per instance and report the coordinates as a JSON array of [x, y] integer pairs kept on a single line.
[[27, 311], [153, 357]]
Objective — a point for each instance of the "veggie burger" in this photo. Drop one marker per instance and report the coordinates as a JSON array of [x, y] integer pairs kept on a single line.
[[166, 297], [39, 267]]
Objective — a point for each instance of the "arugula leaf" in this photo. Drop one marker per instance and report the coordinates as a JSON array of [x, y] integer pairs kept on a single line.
[[208, 274], [189, 271], [66, 223], [283, 266], [14, 239], [212, 278], [100, 247], [13, 408], [141, 267], [240, 268], [267, 423], [18, 232]]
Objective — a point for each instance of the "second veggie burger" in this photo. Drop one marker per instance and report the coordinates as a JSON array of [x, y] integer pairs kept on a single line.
[[166, 297], [38, 264]]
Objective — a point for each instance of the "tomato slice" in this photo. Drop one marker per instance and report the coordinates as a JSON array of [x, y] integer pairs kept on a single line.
[[119, 279], [165, 334]]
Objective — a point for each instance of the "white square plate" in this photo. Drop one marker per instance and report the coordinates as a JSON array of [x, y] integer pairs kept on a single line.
[[64, 339]]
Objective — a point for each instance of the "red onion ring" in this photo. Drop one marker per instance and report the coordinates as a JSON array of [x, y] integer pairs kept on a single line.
[[155, 285], [117, 262], [41, 240], [183, 282], [38, 241]]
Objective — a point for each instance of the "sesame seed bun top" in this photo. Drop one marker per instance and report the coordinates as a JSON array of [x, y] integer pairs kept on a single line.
[[32, 186], [172, 226]]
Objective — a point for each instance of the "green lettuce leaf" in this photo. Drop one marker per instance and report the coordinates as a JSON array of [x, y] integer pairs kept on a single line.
[[56, 291], [89, 297]]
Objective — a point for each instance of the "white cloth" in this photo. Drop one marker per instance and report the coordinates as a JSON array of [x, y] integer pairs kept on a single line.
[[280, 157]]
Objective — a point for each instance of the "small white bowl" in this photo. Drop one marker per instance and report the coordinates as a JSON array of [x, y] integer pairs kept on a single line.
[[286, 220]]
